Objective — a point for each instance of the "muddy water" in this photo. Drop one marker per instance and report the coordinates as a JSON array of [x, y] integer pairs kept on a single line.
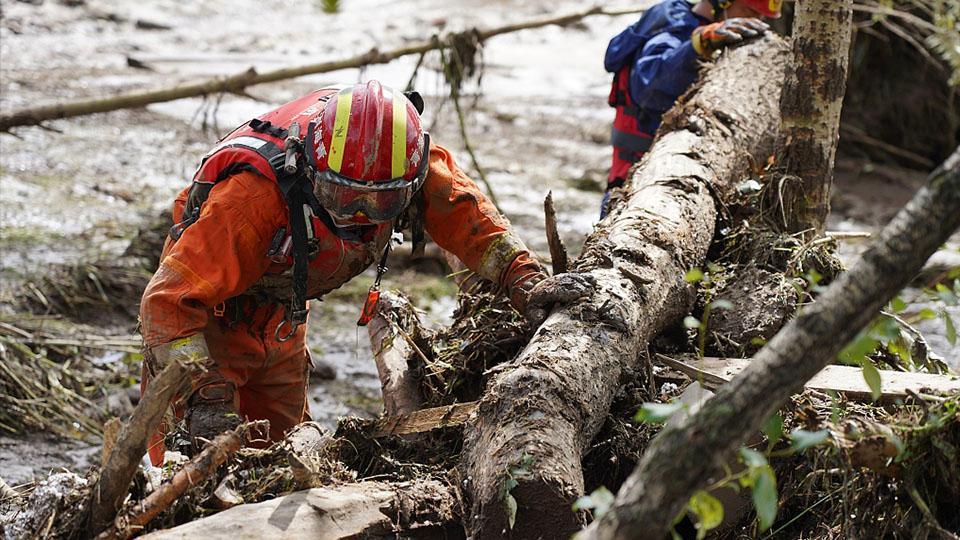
[[539, 123]]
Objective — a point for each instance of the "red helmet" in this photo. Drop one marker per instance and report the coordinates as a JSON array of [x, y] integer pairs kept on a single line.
[[371, 153], [768, 8]]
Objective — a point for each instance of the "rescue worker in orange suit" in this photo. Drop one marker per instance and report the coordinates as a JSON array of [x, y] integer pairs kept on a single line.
[[289, 207], [656, 59]]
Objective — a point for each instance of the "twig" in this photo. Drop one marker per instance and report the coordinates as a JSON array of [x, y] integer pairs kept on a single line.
[[461, 120], [558, 251]]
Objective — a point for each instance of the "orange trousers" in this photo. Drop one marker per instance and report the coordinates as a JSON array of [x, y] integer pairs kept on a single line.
[[270, 376]]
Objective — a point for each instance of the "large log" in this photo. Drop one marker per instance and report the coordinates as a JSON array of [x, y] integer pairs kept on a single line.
[[683, 457], [421, 508], [522, 453]]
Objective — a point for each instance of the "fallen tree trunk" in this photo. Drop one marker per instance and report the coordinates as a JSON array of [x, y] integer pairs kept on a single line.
[[685, 456], [32, 116], [522, 453], [421, 508]]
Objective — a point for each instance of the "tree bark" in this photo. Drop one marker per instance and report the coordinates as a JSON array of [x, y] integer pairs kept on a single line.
[[540, 412], [684, 457], [393, 332], [31, 116], [810, 105]]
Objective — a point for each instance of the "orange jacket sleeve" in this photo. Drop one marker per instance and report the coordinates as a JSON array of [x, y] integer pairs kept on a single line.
[[217, 257], [461, 220]]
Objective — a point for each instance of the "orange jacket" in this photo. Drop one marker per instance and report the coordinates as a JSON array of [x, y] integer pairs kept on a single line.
[[224, 254]]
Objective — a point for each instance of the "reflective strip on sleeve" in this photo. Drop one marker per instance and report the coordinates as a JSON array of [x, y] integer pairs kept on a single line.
[[399, 165], [498, 256], [340, 126]]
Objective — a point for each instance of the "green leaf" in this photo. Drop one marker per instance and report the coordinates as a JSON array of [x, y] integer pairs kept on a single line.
[[773, 429], [656, 413], [721, 304], [764, 497], [897, 304], [926, 314], [858, 349], [600, 501], [946, 295], [752, 458], [691, 322], [709, 512], [951, 329], [511, 509], [694, 275], [872, 377], [801, 439]]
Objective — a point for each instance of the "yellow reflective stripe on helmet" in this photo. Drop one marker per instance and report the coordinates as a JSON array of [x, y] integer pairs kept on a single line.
[[399, 165], [340, 126]]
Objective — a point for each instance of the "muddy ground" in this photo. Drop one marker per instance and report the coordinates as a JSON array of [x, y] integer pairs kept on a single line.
[[77, 191]]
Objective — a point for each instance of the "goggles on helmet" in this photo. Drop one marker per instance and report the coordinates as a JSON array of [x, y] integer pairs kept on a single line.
[[379, 201]]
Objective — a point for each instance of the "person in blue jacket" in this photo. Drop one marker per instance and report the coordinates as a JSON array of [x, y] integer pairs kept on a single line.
[[656, 59]]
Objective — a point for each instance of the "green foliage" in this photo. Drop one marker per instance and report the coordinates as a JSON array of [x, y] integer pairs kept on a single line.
[[656, 413], [706, 284], [709, 512], [773, 430], [801, 439], [330, 6], [762, 482], [600, 501], [520, 470]]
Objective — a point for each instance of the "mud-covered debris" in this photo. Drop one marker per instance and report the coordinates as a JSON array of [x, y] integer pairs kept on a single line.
[[35, 516]]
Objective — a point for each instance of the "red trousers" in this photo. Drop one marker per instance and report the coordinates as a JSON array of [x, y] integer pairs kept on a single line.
[[270, 376]]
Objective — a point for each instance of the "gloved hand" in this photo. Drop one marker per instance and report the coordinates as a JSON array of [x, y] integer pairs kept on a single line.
[[555, 291], [710, 38]]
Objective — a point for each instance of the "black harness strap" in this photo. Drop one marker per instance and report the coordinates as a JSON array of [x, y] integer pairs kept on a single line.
[[293, 187]]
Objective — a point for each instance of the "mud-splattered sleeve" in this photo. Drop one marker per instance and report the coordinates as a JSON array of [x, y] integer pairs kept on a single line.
[[461, 220]]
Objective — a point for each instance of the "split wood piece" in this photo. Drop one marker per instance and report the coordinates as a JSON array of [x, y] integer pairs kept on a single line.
[[558, 251], [194, 472], [307, 443], [424, 420], [31, 116], [423, 508], [682, 458], [115, 476], [846, 380], [111, 432], [540, 412], [392, 332]]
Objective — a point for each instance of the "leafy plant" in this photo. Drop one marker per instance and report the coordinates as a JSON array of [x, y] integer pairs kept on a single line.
[[330, 6]]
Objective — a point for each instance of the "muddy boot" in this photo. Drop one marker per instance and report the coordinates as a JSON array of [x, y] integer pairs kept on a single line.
[[210, 412]]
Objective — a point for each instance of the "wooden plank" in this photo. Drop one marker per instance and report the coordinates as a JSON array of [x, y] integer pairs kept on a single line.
[[424, 420], [846, 380]]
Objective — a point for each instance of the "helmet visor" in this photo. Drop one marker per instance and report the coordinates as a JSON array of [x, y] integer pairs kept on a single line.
[[377, 200], [345, 202]]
